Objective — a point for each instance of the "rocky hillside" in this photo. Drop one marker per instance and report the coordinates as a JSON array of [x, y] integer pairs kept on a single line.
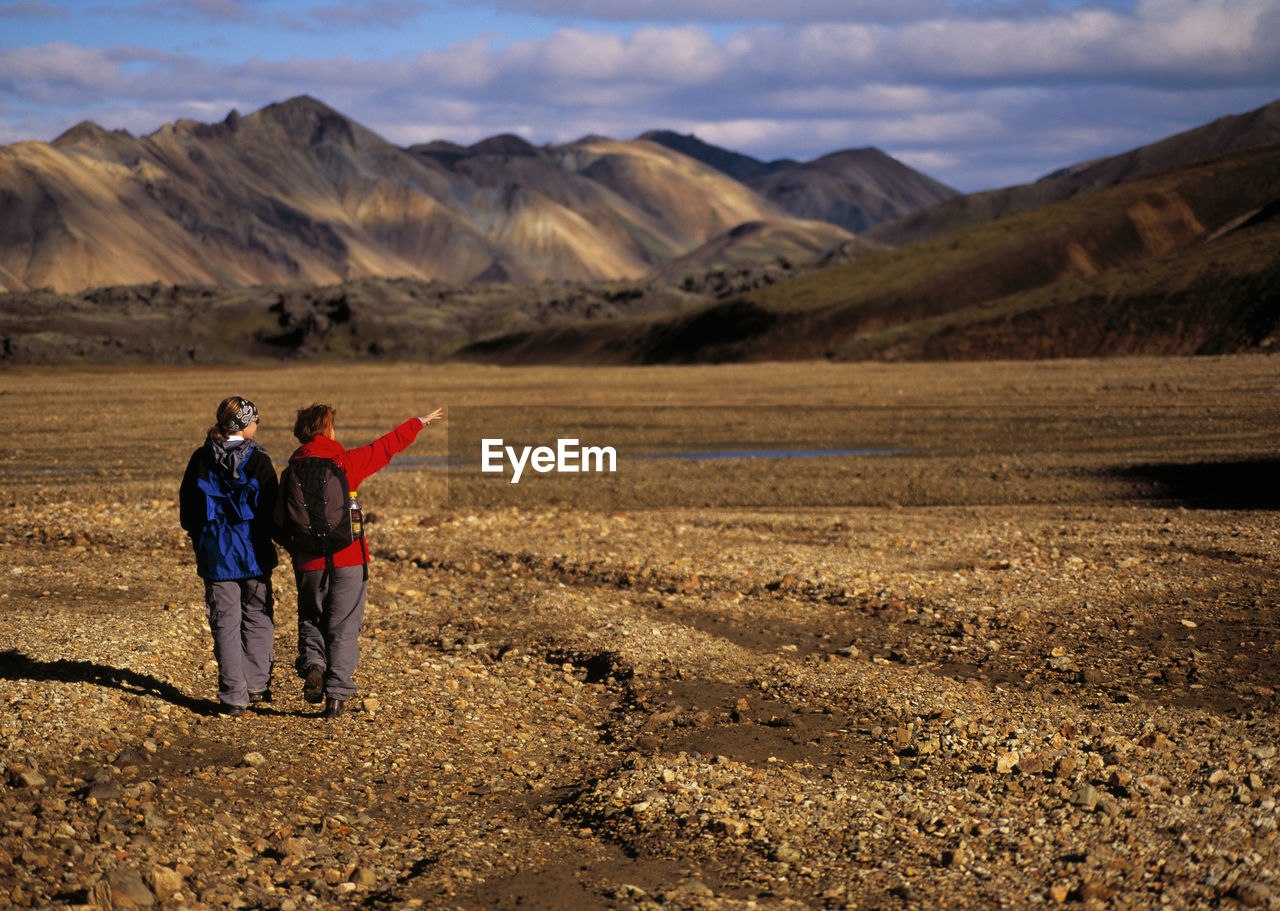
[[1226, 134], [1181, 262]]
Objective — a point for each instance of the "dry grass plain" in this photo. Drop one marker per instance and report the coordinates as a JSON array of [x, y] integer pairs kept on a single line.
[[1028, 659]]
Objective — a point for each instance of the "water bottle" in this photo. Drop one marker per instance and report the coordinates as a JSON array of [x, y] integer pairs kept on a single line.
[[357, 518]]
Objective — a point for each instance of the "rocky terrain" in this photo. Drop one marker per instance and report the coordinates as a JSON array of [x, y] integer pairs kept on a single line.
[[1030, 665]]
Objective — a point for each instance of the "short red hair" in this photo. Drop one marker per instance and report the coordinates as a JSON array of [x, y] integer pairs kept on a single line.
[[314, 421]]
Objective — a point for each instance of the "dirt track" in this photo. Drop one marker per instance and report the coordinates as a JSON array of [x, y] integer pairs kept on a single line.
[[1028, 662]]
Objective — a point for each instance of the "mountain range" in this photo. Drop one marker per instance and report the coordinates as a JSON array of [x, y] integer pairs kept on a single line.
[[1182, 261], [659, 249], [297, 192]]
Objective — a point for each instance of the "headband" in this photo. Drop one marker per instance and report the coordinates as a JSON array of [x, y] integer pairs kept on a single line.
[[247, 414]]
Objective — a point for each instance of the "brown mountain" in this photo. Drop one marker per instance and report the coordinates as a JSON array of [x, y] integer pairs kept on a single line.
[[1179, 262], [855, 189], [1226, 134], [297, 192]]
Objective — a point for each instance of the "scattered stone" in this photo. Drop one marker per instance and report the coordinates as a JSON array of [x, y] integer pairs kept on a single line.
[[1253, 894], [1086, 797], [254, 760], [128, 891], [23, 777], [785, 854], [164, 882]]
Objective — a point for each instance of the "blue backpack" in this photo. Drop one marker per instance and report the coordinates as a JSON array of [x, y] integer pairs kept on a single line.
[[225, 548]]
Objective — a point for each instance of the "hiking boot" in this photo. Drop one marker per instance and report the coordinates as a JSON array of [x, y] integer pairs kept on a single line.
[[334, 707], [264, 696], [233, 711], [313, 684]]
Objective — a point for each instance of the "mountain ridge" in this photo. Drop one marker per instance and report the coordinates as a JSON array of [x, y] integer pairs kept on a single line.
[[1231, 132], [855, 189], [299, 192]]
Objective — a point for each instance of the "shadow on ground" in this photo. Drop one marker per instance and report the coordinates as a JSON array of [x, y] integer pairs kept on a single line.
[[16, 666], [1246, 484]]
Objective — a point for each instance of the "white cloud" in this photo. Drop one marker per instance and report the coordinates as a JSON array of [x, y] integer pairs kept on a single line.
[[1023, 92], [765, 10]]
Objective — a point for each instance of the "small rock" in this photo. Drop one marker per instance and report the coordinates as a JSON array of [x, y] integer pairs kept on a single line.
[[1156, 741], [370, 704], [27, 778], [700, 889], [785, 854], [128, 891], [364, 877], [731, 827], [1108, 807], [295, 846], [1086, 797], [1266, 752], [1031, 765], [955, 857], [1058, 892], [109, 789], [164, 882], [1006, 762], [1094, 891], [1251, 893], [255, 760]]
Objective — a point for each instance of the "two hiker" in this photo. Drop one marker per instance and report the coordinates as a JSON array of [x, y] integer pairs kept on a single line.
[[232, 506]]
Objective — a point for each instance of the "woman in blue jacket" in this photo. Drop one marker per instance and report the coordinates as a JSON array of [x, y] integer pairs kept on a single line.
[[225, 504]]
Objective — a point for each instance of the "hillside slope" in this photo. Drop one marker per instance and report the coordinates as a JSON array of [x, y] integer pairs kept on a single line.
[[1180, 262], [1226, 134]]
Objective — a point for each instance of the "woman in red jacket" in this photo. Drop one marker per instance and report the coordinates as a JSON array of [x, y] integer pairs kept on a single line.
[[331, 603]]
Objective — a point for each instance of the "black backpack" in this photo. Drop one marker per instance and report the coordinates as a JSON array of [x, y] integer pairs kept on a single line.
[[312, 509]]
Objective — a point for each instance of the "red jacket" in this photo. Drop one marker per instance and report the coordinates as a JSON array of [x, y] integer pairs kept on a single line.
[[358, 464]]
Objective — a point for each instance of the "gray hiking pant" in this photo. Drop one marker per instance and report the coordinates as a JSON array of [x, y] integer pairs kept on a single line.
[[241, 616], [329, 621]]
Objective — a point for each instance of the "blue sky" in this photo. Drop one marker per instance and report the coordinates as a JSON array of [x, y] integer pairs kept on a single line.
[[977, 93]]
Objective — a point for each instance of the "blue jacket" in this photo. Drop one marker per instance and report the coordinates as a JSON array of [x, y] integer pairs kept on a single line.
[[225, 505]]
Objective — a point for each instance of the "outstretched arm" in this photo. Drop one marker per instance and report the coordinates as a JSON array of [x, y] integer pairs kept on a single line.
[[362, 462]]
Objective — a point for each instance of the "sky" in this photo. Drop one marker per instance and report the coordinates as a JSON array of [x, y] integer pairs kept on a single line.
[[975, 93]]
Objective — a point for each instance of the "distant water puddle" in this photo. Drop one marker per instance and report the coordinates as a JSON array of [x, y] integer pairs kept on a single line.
[[769, 454]]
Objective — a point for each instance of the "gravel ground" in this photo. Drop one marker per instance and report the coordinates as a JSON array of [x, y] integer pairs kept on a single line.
[[962, 706]]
